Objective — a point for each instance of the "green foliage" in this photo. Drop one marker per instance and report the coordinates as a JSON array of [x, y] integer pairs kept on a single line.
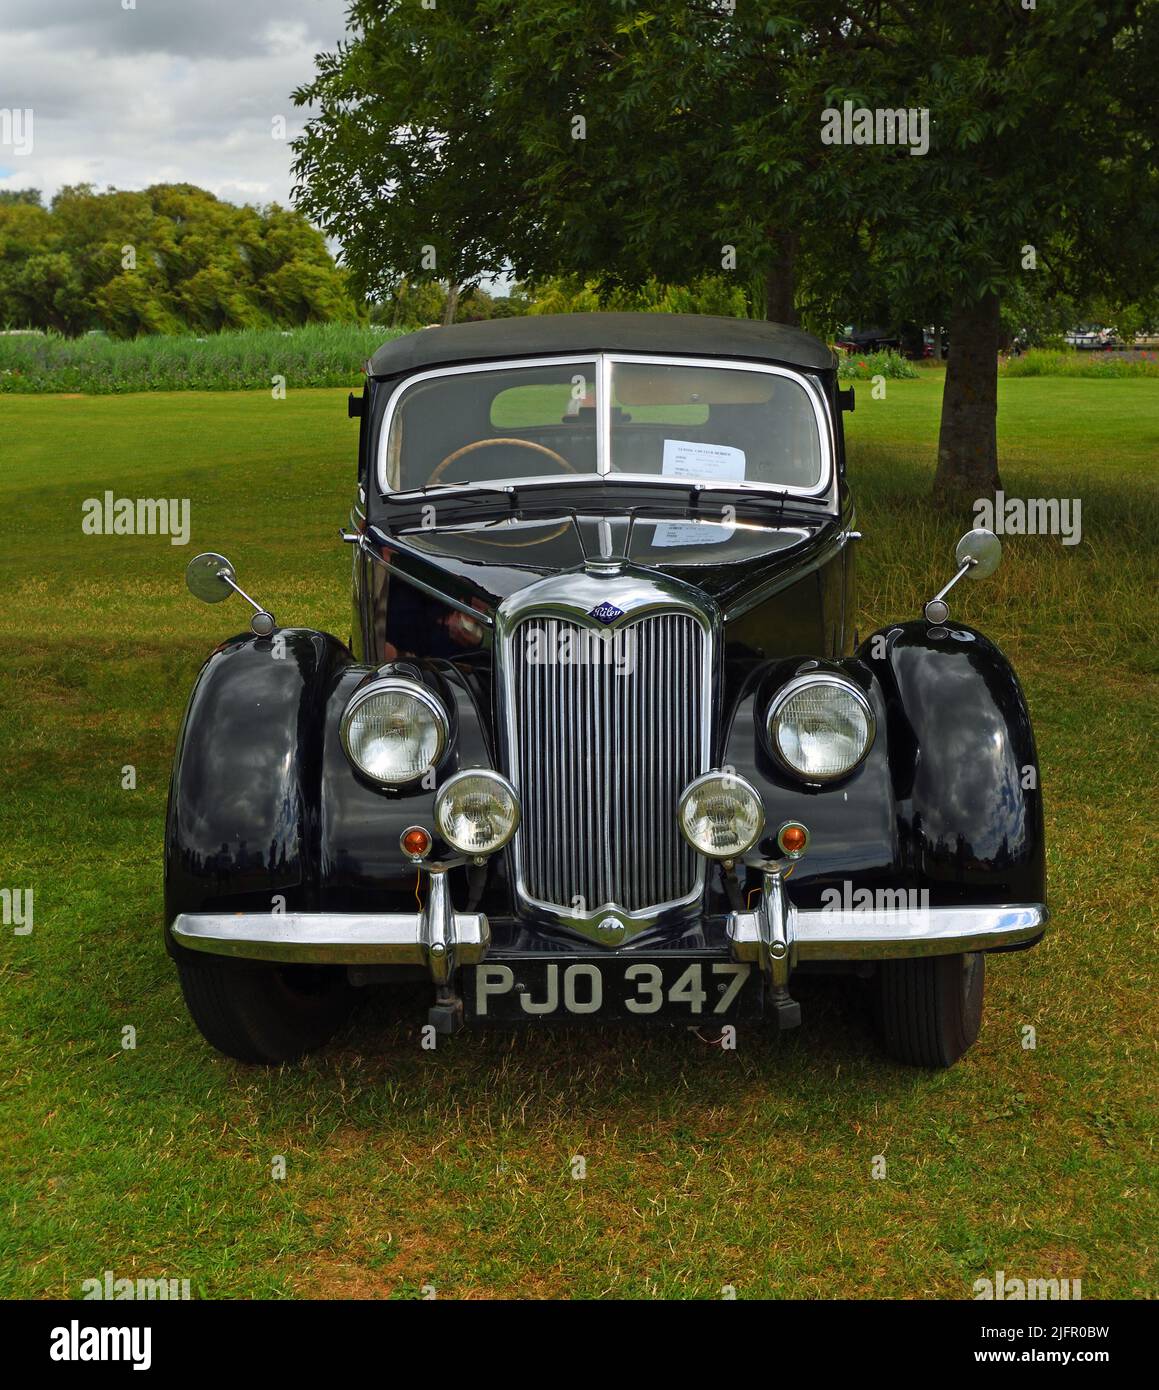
[[466, 126], [169, 260], [1130, 318], [422, 303], [1038, 312], [1044, 303], [410, 303], [653, 140], [1041, 137], [1069, 362], [569, 294], [703, 132], [316, 355], [865, 366]]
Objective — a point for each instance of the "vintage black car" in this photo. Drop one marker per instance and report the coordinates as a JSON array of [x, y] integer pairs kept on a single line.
[[604, 744]]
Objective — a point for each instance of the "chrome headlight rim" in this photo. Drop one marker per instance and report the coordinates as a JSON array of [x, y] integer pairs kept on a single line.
[[804, 682], [730, 779], [489, 774], [425, 697]]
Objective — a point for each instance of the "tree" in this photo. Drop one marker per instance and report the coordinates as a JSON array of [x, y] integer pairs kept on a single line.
[[383, 137], [50, 290], [670, 140], [1041, 164], [25, 233], [167, 260], [620, 141]]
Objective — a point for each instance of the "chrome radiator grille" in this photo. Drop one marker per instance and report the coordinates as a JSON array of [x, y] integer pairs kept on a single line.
[[600, 757]]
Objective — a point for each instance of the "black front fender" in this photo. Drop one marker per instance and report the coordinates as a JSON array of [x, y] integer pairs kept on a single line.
[[243, 824], [266, 812], [948, 798], [964, 766]]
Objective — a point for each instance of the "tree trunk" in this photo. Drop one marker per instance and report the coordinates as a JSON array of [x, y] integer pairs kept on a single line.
[[968, 440], [452, 304], [780, 283]]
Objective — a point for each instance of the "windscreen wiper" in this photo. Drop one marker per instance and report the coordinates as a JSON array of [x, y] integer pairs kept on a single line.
[[508, 491]]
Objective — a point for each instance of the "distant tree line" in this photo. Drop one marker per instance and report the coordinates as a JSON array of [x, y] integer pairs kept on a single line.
[[176, 259], [170, 259]]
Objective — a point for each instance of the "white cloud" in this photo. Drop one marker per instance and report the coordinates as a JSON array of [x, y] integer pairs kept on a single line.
[[171, 91]]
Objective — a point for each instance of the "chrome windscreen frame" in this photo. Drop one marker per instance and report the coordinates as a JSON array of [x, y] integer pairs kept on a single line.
[[572, 597], [825, 489]]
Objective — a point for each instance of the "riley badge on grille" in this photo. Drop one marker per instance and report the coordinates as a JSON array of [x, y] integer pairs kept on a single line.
[[606, 613]]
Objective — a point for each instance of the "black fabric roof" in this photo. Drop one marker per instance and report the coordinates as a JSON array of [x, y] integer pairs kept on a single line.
[[541, 335]]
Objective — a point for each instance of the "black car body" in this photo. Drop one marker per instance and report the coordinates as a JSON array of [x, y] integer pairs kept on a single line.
[[604, 742]]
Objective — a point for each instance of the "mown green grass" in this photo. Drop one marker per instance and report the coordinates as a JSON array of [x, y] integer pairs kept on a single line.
[[408, 1168], [317, 355]]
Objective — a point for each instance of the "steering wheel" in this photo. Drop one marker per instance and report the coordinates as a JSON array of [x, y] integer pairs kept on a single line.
[[488, 443]]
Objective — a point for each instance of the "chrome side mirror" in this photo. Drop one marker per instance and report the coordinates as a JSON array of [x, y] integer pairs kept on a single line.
[[977, 554], [210, 577]]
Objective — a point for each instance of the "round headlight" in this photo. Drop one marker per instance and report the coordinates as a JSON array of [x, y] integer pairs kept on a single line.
[[477, 811], [820, 727], [394, 730], [721, 815]]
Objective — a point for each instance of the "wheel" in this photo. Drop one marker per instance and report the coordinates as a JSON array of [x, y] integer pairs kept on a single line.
[[264, 1013], [930, 1009]]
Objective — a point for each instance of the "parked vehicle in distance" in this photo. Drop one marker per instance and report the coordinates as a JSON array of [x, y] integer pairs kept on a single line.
[[873, 339], [604, 743], [910, 339], [1089, 337]]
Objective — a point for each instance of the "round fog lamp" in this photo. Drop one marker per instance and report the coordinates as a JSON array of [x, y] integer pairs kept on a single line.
[[477, 811], [721, 815]]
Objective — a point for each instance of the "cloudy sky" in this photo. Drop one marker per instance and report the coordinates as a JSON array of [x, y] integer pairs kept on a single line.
[[165, 91]]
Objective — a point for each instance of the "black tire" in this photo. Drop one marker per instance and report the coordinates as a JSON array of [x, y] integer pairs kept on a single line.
[[930, 1009], [264, 1013]]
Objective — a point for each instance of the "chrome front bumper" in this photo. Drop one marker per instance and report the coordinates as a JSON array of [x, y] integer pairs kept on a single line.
[[437, 937], [776, 935]]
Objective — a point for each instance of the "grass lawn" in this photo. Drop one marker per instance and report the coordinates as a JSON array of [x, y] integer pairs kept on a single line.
[[452, 1168]]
